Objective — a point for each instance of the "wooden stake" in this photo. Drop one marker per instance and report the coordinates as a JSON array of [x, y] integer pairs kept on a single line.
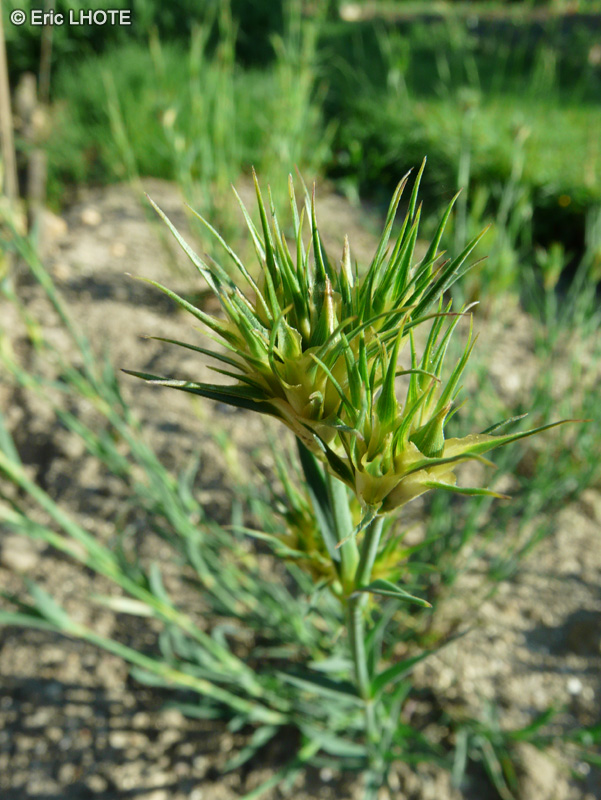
[[7, 145]]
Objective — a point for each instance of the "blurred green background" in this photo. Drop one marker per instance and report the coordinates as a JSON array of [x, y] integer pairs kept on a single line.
[[503, 98]]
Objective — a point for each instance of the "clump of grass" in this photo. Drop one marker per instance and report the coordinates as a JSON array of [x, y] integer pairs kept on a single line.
[[496, 115], [190, 113]]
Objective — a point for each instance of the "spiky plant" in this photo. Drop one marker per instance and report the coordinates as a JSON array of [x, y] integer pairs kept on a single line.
[[317, 346]]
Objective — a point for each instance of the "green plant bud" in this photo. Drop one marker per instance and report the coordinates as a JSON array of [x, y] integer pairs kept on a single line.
[[429, 439], [313, 407], [372, 482], [345, 263]]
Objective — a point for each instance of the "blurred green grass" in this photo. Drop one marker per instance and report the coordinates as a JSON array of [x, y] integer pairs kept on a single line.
[[357, 102], [182, 117]]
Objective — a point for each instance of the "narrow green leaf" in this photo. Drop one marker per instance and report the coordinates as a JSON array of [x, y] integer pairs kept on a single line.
[[325, 687], [212, 353], [335, 745], [334, 383], [332, 664], [293, 206], [258, 244], [499, 441], [7, 444], [413, 390], [414, 193], [322, 268], [211, 322], [268, 242], [396, 672], [409, 418], [432, 251], [155, 582], [494, 769], [346, 280], [528, 731], [504, 422], [258, 740], [388, 589], [475, 450], [372, 280], [239, 396], [427, 356], [338, 466], [460, 757], [447, 276], [449, 393], [48, 608], [320, 500], [274, 541], [399, 269], [237, 261], [386, 407], [124, 605], [465, 490], [25, 620], [194, 258]]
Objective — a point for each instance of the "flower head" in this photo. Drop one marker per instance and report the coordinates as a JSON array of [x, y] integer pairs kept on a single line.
[[317, 346]]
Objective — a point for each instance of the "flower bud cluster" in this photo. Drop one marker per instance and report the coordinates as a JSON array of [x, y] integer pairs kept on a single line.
[[317, 346]]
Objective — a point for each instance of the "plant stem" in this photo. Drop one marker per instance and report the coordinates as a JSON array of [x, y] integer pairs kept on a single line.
[[355, 572], [369, 551], [356, 633], [355, 605], [343, 522]]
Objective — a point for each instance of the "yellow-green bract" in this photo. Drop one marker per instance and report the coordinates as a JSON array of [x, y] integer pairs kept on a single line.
[[317, 346]]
